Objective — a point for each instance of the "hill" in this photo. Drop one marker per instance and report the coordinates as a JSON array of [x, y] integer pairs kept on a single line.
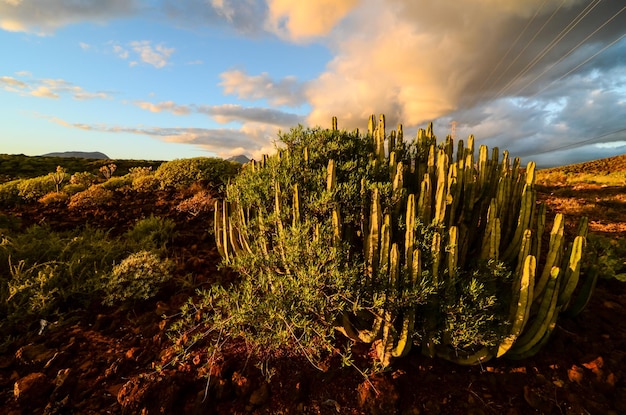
[[608, 172], [94, 155]]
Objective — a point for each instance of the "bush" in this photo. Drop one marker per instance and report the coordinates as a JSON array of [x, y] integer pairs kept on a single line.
[[184, 172], [9, 193], [116, 183], [43, 272], [95, 196], [201, 202], [54, 198], [137, 277], [72, 189], [84, 179], [33, 189], [152, 233], [146, 183]]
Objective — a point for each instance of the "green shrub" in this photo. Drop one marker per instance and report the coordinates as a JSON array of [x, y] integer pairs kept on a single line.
[[33, 189], [184, 172], [146, 183], [137, 277], [72, 189], [43, 272], [95, 196], [84, 179], [10, 193], [152, 233], [116, 183]]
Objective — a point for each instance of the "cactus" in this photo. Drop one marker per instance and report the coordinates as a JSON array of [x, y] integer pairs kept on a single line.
[[420, 219]]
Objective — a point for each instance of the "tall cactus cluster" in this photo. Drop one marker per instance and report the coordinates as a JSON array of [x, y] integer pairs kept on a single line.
[[439, 249]]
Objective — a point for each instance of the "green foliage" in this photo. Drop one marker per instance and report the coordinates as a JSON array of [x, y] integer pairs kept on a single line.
[[137, 277], [10, 193], [152, 233], [117, 183], [428, 247], [33, 189], [84, 179], [184, 172], [145, 183], [610, 256], [44, 272]]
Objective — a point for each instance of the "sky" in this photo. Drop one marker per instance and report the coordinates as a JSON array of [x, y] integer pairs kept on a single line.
[[169, 79]]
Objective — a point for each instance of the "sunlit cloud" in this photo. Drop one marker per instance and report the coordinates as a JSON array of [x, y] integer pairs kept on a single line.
[[287, 91], [47, 88], [252, 140], [227, 113], [303, 20], [168, 106]]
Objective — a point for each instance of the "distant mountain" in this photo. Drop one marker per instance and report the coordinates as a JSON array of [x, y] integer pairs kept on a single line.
[[79, 154], [239, 159]]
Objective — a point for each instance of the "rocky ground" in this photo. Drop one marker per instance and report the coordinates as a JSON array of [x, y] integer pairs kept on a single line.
[[112, 361]]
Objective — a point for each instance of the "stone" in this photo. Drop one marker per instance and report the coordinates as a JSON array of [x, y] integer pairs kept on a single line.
[[33, 390]]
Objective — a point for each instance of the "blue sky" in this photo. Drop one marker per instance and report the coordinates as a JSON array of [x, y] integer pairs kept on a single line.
[[166, 79]]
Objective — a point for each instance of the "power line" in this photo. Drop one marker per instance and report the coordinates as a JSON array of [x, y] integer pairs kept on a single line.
[[564, 32], [577, 143], [579, 65], [527, 45], [571, 50], [495, 68]]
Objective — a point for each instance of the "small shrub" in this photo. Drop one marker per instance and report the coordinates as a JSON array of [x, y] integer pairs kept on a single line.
[[201, 202], [145, 183], [84, 179], [184, 172], [58, 177], [93, 197], [33, 189], [137, 277], [116, 183], [54, 198], [152, 233], [107, 171], [72, 189], [9, 193]]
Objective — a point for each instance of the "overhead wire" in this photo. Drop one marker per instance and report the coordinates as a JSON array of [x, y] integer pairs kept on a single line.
[[578, 66], [529, 42], [495, 68], [577, 143], [571, 50], [564, 32]]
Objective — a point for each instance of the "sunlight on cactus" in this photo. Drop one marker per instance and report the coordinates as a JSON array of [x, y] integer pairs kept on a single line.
[[447, 248]]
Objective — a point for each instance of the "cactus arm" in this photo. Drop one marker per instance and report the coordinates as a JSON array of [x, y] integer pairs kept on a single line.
[[521, 310], [533, 334], [481, 356], [584, 295], [554, 254], [572, 272]]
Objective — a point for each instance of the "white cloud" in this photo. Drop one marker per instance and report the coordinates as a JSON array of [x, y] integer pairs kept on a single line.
[[47, 88], [251, 139], [156, 56], [227, 113], [287, 91]]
